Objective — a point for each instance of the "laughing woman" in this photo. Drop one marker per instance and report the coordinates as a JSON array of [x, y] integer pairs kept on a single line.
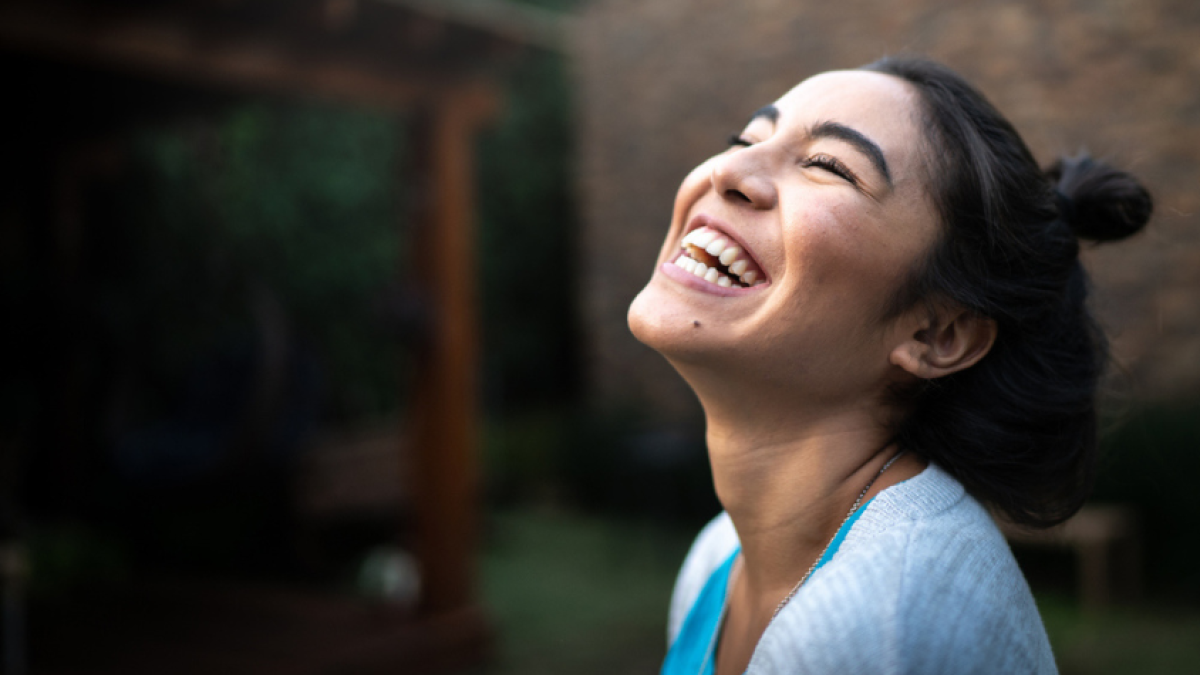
[[875, 293]]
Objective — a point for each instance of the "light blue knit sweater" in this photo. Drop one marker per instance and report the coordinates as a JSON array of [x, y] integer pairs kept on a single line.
[[923, 583]]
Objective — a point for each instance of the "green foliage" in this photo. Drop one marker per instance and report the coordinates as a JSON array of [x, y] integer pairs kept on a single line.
[[66, 559], [1142, 640], [581, 595], [522, 453], [307, 201], [526, 240], [304, 197], [299, 203], [1150, 461]]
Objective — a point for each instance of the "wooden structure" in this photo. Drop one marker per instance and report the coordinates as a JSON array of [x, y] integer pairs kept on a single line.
[[436, 63]]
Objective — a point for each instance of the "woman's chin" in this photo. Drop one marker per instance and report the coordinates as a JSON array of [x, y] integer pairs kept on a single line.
[[645, 317], [657, 321]]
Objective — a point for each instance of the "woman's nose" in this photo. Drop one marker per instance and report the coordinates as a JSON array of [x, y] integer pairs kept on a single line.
[[744, 176]]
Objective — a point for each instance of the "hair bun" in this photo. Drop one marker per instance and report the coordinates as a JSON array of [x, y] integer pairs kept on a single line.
[[1099, 202]]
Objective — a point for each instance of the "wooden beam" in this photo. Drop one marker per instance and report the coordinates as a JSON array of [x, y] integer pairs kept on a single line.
[[444, 444], [174, 48], [520, 23]]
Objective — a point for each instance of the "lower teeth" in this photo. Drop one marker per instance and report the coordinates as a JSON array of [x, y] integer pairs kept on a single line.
[[723, 273]]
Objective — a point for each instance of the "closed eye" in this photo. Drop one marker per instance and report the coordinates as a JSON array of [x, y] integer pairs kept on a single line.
[[821, 161], [832, 165]]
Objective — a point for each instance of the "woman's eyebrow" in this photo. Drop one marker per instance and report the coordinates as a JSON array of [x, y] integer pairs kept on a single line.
[[855, 138], [768, 111]]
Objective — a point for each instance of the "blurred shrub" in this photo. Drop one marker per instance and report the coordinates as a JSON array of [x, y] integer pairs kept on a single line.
[[522, 456], [295, 204], [611, 462], [618, 462], [68, 558], [526, 246], [231, 292], [1151, 461]]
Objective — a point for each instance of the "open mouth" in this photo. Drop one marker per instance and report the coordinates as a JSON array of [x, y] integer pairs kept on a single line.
[[718, 259]]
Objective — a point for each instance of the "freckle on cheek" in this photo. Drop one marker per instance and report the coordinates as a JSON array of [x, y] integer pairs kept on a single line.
[[696, 324]]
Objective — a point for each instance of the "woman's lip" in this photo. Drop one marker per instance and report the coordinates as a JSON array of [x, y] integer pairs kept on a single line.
[[704, 220], [690, 280]]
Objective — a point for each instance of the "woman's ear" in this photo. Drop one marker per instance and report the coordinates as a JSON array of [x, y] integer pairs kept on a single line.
[[945, 343]]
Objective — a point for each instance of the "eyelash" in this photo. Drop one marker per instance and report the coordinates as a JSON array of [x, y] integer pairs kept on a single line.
[[823, 161]]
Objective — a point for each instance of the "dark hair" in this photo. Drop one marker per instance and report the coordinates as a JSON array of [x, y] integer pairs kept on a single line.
[[1017, 429]]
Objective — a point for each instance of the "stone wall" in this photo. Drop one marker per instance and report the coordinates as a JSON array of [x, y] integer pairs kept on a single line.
[[662, 83]]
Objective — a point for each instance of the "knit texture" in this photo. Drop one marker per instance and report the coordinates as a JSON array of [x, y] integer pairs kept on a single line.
[[923, 583]]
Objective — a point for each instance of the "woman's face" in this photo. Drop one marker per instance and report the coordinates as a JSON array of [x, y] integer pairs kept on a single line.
[[810, 220]]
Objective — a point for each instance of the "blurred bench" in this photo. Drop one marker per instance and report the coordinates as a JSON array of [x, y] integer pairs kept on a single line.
[[351, 474], [1106, 541]]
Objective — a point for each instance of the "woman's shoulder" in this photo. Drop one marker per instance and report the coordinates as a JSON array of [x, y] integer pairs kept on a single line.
[[936, 548], [713, 546], [924, 582]]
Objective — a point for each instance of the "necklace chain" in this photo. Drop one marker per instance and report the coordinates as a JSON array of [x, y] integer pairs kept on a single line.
[[857, 503]]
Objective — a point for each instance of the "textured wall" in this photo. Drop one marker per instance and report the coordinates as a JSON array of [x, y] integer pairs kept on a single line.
[[663, 83]]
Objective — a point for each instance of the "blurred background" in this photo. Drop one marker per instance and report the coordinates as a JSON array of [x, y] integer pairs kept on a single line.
[[315, 358]]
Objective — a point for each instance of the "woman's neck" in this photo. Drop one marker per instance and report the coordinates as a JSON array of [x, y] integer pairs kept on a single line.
[[788, 482]]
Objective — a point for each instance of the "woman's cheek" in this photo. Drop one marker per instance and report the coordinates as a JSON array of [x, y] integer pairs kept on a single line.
[[693, 187], [817, 237]]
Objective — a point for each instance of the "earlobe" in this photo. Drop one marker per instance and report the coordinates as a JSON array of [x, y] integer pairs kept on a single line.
[[946, 347]]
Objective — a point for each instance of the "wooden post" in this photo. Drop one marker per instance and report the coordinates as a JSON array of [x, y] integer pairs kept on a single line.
[[444, 403]]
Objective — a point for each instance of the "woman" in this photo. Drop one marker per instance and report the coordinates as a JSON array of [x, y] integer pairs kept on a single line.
[[876, 295]]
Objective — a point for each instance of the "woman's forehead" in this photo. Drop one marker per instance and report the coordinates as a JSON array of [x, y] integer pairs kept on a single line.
[[881, 107], [853, 93]]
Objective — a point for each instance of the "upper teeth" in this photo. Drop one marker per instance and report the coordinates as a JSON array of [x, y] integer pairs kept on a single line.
[[701, 237], [711, 247]]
